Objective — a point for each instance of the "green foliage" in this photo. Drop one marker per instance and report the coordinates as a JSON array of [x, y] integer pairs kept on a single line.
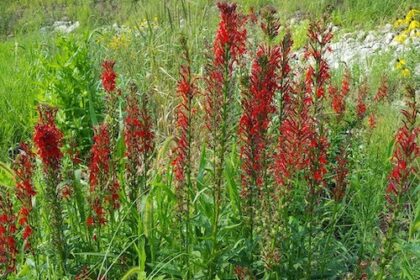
[[17, 92], [67, 79]]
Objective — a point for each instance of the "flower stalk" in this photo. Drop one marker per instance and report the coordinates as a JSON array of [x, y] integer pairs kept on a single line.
[[228, 47], [182, 162], [48, 139]]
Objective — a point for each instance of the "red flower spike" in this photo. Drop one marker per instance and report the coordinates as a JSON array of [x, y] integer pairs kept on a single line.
[[48, 138], [23, 167], [345, 83], [361, 100], [295, 138], [138, 140], [8, 249], [229, 43], [270, 25], [108, 76], [285, 79], [341, 172], [90, 221], [228, 47], [382, 92], [318, 160], [99, 177], [182, 162], [319, 38], [138, 134], [372, 121], [406, 151], [101, 153], [257, 109], [337, 100], [316, 80]]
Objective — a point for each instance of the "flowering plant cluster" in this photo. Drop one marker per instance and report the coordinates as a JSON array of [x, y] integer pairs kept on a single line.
[[277, 180]]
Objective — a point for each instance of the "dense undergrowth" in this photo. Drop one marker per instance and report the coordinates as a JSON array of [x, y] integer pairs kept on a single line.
[[239, 162]]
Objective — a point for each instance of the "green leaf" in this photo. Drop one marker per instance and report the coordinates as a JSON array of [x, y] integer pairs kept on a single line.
[[135, 270]]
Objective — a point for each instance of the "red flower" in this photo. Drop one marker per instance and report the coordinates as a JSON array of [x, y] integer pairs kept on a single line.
[[319, 37], [318, 159], [361, 99], [138, 134], [406, 151], [270, 24], [257, 109], [113, 198], [8, 249], [345, 83], [138, 140], [108, 76], [182, 162], [48, 138], [99, 172], [231, 35], [23, 167], [285, 79], [316, 79], [186, 91], [338, 101], [104, 187], [99, 163], [98, 214], [65, 192], [372, 121], [90, 221], [295, 136], [228, 48], [382, 92], [27, 232], [341, 172]]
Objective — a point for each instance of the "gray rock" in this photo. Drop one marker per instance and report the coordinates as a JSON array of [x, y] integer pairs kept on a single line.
[[370, 38], [394, 43], [65, 26], [386, 28], [376, 46], [417, 70], [388, 38], [361, 35]]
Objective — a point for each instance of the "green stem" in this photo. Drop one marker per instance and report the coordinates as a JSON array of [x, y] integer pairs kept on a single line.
[[219, 168], [309, 265], [54, 208]]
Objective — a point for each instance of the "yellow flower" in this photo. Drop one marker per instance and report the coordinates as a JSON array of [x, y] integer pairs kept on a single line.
[[401, 37], [399, 22], [119, 42], [413, 25], [143, 23], [405, 73], [400, 64], [411, 14]]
